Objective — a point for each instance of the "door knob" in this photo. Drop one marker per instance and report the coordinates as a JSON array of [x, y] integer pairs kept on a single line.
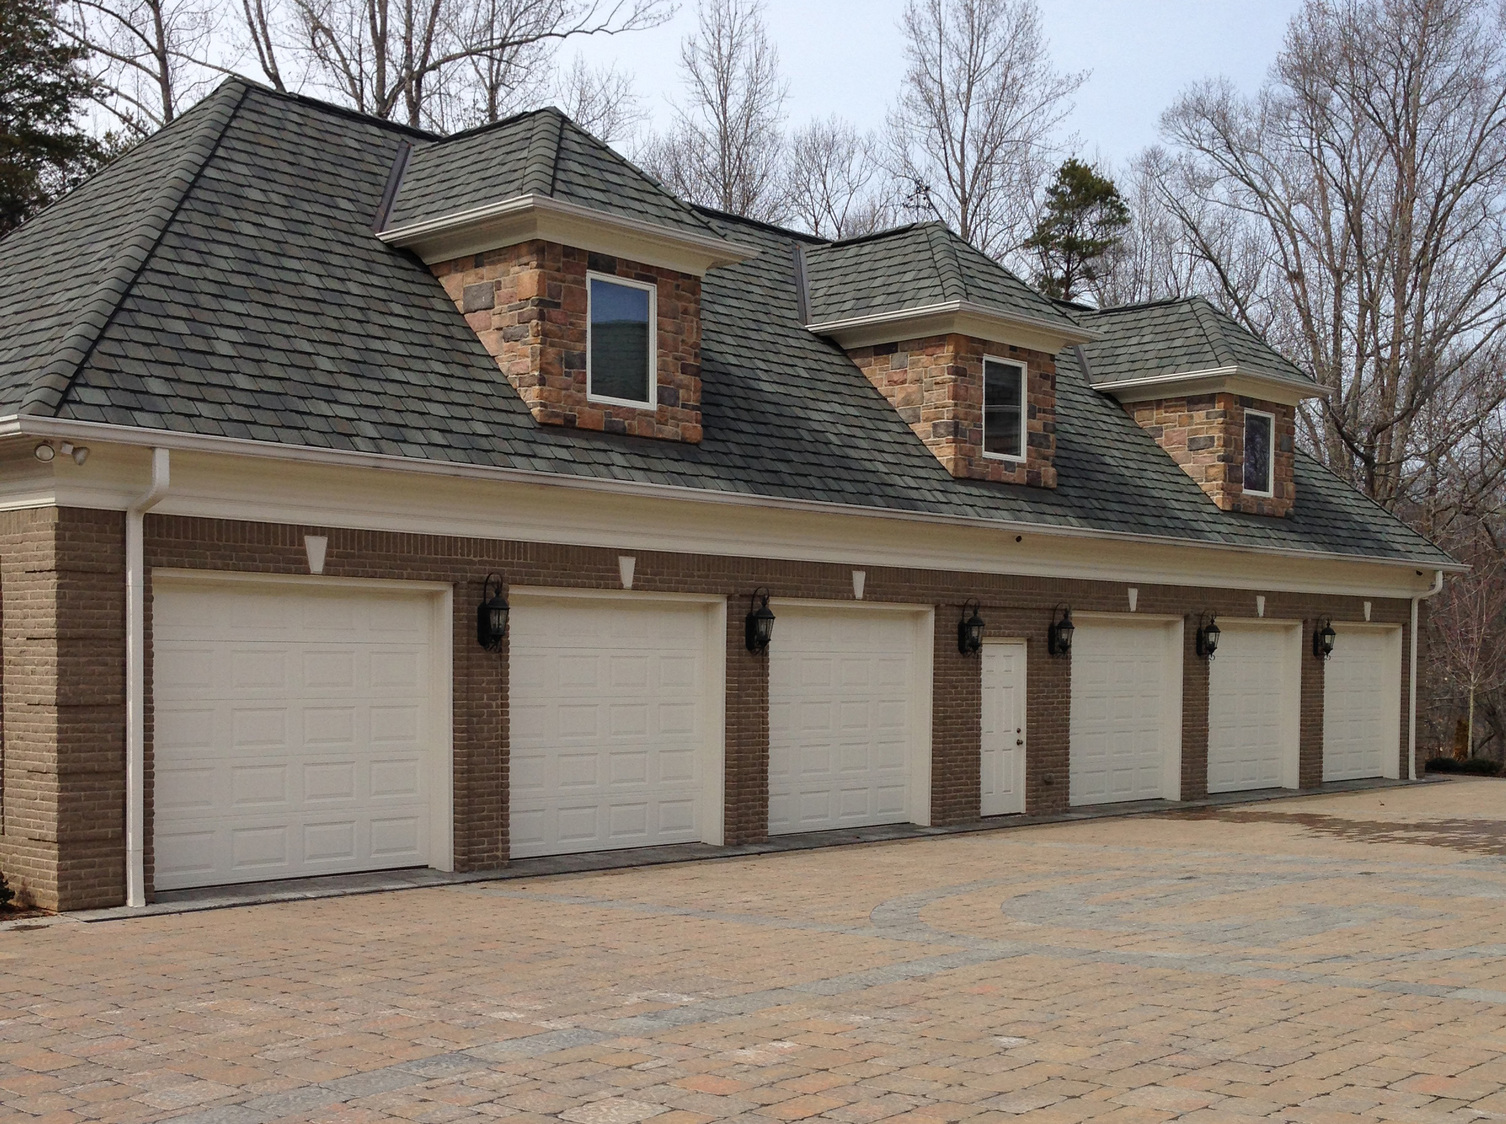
[[1019, 741]]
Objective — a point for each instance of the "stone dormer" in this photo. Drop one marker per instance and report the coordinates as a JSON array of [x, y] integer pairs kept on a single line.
[[579, 274], [963, 349], [1218, 399]]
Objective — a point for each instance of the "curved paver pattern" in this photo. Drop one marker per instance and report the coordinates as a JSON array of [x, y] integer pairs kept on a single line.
[[1328, 959]]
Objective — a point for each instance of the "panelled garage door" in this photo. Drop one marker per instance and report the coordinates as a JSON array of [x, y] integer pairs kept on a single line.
[[299, 730], [1126, 711], [849, 729], [1254, 695], [1362, 704], [616, 725]]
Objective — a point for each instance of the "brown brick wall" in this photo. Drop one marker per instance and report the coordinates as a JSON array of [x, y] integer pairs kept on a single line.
[[1206, 436], [1310, 746], [1195, 673], [936, 384], [64, 806], [62, 581], [527, 304]]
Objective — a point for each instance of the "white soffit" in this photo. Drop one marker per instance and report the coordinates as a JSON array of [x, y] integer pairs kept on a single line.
[[963, 318], [1214, 380], [529, 217]]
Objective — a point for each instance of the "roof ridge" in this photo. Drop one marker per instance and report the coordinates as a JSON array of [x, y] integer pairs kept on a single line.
[[53, 381], [541, 161], [1213, 331], [953, 287]]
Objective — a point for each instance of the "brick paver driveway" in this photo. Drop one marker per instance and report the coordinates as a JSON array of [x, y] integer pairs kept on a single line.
[[1336, 958]]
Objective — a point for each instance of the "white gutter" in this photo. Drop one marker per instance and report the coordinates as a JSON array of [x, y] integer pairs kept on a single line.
[[1180, 379], [1072, 333], [32, 426], [1412, 678], [136, 678]]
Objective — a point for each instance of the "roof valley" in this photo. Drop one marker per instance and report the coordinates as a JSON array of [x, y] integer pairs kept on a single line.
[[52, 382]]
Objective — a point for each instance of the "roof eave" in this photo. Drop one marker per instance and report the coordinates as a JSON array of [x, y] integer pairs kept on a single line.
[[524, 218], [958, 317], [1215, 380]]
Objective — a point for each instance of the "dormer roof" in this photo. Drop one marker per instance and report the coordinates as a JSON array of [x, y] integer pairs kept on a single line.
[[1181, 347], [540, 175], [922, 280]]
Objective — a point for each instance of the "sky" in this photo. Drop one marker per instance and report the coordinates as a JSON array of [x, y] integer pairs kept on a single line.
[[844, 57]]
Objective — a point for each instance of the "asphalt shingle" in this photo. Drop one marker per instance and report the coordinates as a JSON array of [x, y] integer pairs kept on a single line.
[[267, 309]]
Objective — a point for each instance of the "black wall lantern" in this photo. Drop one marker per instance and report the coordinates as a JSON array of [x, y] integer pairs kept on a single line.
[[1207, 638], [491, 614], [758, 627], [970, 629], [1059, 635], [1323, 638]]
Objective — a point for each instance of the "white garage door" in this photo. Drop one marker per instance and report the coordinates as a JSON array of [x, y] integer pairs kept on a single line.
[[298, 731], [1126, 711], [848, 727], [1254, 686], [615, 725], [1362, 704]]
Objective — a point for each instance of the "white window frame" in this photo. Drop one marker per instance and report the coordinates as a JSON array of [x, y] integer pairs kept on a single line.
[[1270, 454], [1024, 409], [652, 403]]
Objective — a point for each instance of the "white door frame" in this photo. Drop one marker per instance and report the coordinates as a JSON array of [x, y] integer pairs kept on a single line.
[[1022, 765], [1291, 692], [918, 791], [1171, 709], [711, 809], [441, 734]]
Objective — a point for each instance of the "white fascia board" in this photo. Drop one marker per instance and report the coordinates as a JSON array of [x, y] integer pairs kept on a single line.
[[263, 482], [1214, 380], [528, 217], [965, 318]]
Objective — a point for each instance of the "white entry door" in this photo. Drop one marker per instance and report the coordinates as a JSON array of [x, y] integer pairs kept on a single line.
[[615, 724], [300, 729], [1126, 711], [1003, 764], [849, 721], [1254, 700], [1362, 704]]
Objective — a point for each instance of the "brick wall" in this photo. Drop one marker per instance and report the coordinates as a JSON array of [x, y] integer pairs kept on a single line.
[[62, 583], [1205, 434], [62, 606], [936, 384], [528, 306]]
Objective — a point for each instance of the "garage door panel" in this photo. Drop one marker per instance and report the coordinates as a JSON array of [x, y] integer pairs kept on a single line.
[[843, 726], [266, 729], [1252, 708], [1362, 704], [1124, 687], [610, 727]]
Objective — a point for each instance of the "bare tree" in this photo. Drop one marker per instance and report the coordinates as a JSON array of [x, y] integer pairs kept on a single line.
[[1467, 622], [977, 121], [835, 185], [1372, 167], [437, 63], [725, 145], [151, 59], [601, 101]]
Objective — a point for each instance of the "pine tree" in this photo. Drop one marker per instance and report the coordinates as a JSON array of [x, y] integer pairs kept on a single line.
[[1084, 218], [42, 151]]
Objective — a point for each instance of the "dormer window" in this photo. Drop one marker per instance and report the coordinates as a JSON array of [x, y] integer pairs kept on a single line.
[[620, 345], [1260, 452], [1003, 409]]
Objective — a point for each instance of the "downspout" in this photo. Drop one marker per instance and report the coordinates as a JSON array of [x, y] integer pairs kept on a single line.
[[136, 679], [1412, 678]]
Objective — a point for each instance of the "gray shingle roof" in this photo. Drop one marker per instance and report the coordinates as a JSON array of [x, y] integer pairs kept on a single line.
[[537, 153], [1177, 337], [914, 267], [228, 283]]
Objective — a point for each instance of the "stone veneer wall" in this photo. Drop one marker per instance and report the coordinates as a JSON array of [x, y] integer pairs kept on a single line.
[[1205, 434], [527, 304], [936, 384]]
